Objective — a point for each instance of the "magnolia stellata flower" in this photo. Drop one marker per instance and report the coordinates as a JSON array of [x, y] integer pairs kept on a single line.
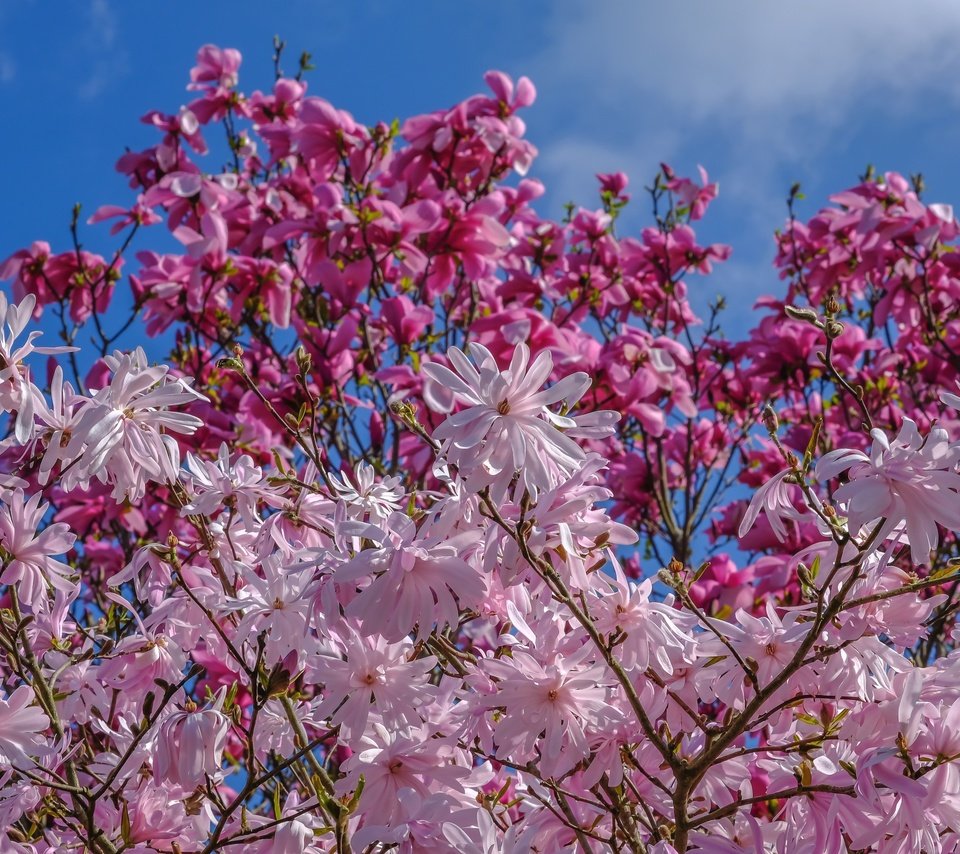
[[775, 499], [190, 745], [215, 484], [119, 437], [506, 426], [911, 481], [365, 495], [30, 562], [17, 393], [21, 729], [373, 676]]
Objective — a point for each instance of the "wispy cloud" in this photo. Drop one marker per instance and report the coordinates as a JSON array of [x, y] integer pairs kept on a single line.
[[8, 68], [762, 92], [752, 62], [99, 39]]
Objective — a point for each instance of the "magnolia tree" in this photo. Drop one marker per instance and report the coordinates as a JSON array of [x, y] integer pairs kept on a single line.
[[421, 522]]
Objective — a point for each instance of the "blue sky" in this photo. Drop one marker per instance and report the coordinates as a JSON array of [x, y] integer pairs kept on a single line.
[[762, 94]]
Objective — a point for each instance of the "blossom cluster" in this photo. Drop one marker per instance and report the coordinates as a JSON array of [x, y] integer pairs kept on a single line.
[[447, 527]]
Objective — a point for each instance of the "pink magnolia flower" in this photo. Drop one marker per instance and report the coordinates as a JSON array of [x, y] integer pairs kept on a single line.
[[22, 727], [769, 642], [276, 604], [438, 823], [404, 759], [506, 426], [58, 418], [419, 582], [17, 393], [546, 706], [775, 498], [220, 483], [911, 481], [140, 659], [121, 436], [365, 496], [31, 563], [373, 676], [656, 633], [216, 68], [190, 745]]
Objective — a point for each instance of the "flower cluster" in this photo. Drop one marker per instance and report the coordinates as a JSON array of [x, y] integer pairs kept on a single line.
[[397, 548]]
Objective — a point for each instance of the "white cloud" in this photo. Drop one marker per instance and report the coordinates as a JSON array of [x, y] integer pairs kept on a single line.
[[99, 41], [763, 93], [753, 60], [573, 161]]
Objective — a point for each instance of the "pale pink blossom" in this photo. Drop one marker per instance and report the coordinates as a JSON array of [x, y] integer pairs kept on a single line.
[[222, 483], [372, 676], [406, 759], [911, 481], [31, 562], [122, 435], [775, 498], [365, 496], [417, 582], [506, 426], [546, 706], [22, 728], [17, 393], [190, 745]]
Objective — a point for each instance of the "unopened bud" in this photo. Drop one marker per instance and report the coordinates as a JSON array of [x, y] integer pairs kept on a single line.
[[807, 315], [668, 578], [832, 306], [230, 364], [834, 329], [304, 360], [770, 420]]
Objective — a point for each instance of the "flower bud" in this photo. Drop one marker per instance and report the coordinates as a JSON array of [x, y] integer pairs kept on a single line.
[[190, 746], [834, 329], [770, 420], [807, 315]]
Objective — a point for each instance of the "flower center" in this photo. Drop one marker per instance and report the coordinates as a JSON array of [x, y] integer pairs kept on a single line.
[[503, 407]]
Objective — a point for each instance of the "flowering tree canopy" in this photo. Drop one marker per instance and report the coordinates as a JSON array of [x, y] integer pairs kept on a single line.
[[383, 513]]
